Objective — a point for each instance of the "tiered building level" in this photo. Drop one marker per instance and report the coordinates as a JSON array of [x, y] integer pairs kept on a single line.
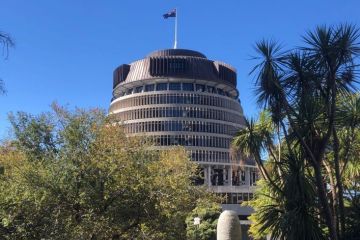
[[179, 97]]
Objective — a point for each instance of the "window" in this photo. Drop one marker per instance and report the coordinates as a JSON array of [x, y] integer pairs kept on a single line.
[[253, 178], [188, 87], [220, 91], [200, 88], [161, 86], [162, 99], [175, 86], [240, 198], [129, 91], [210, 89], [245, 196], [149, 88], [234, 198], [242, 174], [138, 89]]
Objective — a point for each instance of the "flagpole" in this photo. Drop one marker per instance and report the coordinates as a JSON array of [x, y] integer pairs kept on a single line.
[[176, 16]]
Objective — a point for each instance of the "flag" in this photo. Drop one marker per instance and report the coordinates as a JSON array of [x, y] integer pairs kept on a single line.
[[172, 13]]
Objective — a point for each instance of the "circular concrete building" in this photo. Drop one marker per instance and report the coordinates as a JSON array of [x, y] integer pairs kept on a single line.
[[179, 97]]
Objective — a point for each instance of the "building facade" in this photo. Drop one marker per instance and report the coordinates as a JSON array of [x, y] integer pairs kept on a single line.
[[179, 97]]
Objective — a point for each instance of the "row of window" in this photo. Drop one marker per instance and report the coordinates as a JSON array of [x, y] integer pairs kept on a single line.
[[191, 140], [235, 198], [160, 66], [210, 156], [177, 126], [177, 86], [220, 177], [179, 98], [186, 112]]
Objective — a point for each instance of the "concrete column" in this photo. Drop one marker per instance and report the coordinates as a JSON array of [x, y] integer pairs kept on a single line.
[[230, 176], [205, 174], [209, 175], [247, 177], [224, 175]]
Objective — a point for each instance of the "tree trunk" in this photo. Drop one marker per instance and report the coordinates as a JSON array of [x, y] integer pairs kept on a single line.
[[324, 203], [339, 184], [333, 199], [263, 171]]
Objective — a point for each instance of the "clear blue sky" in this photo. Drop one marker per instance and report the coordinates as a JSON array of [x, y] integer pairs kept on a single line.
[[66, 50]]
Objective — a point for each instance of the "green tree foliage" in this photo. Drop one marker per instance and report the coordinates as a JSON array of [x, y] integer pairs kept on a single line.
[[209, 213], [285, 207], [75, 175], [309, 137]]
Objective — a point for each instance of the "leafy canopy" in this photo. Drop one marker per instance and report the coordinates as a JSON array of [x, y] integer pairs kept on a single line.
[[75, 175]]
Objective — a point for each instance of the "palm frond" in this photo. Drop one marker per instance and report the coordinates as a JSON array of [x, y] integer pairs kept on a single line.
[[6, 42]]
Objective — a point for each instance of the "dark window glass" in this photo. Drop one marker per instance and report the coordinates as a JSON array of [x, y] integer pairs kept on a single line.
[[220, 91], [188, 99], [200, 88], [243, 176], [178, 126], [175, 86], [210, 89], [168, 111], [188, 87], [234, 198], [180, 99], [161, 86], [240, 197], [149, 88], [162, 99], [129, 91], [196, 99], [245, 196], [138, 89], [177, 113]]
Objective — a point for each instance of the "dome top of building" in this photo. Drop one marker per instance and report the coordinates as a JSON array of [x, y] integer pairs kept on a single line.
[[175, 63], [176, 52]]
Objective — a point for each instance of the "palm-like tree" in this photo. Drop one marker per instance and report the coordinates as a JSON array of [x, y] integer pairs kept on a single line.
[[254, 139], [291, 213], [285, 203], [300, 89]]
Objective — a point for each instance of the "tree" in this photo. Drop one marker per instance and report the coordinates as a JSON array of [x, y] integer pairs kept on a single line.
[[285, 207], [209, 213], [302, 90], [75, 175]]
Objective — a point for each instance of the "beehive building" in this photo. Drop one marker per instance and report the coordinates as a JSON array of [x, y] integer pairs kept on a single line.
[[179, 97]]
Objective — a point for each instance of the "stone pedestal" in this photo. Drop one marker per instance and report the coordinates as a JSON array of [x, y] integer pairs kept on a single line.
[[228, 227]]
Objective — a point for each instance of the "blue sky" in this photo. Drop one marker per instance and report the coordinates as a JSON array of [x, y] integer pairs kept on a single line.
[[67, 50]]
